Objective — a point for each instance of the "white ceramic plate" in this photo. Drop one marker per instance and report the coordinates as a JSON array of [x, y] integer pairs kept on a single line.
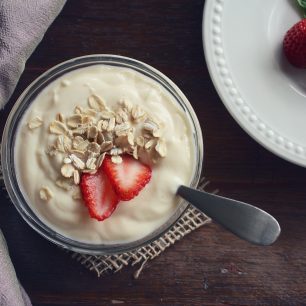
[[265, 94]]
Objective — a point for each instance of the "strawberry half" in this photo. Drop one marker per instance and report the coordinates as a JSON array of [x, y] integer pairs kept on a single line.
[[294, 44], [128, 177], [98, 195]]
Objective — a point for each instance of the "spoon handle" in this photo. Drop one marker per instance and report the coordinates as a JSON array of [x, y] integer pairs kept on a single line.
[[244, 220]]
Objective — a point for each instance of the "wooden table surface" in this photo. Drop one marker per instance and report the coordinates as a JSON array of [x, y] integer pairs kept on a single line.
[[210, 266]]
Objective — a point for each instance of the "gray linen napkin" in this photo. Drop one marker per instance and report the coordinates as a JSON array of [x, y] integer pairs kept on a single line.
[[22, 26], [11, 293]]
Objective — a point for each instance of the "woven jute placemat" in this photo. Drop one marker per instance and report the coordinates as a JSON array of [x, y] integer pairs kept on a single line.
[[105, 264]]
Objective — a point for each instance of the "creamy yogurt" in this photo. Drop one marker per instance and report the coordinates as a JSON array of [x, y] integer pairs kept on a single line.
[[131, 220]]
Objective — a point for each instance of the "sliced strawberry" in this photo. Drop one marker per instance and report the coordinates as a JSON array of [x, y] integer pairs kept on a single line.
[[128, 177], [98, 195]]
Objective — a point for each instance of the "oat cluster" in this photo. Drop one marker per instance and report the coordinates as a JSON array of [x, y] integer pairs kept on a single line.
[[85, 137]]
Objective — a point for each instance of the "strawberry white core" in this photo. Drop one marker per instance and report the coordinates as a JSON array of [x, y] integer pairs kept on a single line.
[[126, 174]]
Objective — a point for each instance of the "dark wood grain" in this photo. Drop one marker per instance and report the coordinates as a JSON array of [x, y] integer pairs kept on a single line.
[[210, 266]]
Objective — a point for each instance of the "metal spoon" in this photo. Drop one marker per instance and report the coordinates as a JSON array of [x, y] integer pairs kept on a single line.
[[244, 220]]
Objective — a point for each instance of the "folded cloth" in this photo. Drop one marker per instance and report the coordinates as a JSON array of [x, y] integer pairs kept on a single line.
[[11, 293], [22, 26]]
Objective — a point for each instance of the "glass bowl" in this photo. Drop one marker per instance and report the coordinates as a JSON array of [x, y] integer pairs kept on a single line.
[[8, 142]]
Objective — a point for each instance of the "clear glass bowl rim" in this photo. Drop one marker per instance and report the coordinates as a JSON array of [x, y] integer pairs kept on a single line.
[[8, 140]]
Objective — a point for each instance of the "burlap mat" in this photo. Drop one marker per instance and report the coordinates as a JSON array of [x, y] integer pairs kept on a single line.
[[101, 265]]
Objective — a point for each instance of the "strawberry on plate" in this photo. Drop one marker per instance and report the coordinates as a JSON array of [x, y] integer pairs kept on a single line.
[[294, 44], [98, 194], [128, 178]]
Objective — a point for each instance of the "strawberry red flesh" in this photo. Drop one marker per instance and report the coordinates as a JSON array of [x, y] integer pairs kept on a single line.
[[127, 178], [294, 44], [98, 195]]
